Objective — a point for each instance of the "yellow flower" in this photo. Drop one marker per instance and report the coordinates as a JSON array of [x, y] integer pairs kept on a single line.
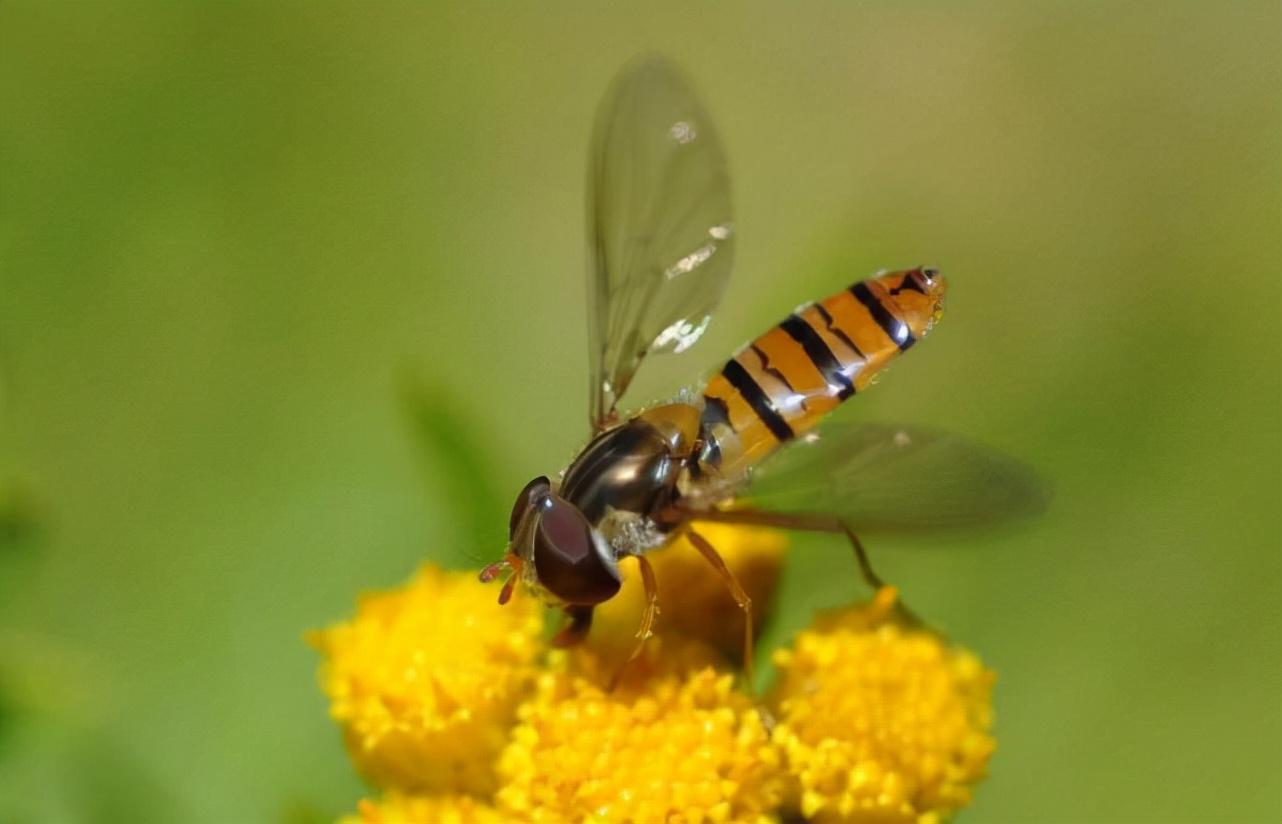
[[879, 722], [425, 680], [397, 808], [693, 599], [674, 743], [458, 711]]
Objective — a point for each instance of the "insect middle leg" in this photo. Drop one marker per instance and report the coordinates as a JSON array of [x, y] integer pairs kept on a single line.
[[736, 591]]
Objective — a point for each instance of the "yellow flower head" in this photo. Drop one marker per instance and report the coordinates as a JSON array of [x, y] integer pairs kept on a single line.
[[457, 710], [879, 722], [397, 808], [425, 680], [675, 742]]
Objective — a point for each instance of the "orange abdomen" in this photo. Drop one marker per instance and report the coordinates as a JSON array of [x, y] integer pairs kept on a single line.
[[783, 383]]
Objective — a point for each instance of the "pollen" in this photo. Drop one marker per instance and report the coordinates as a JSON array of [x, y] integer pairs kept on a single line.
[[397, 808], [673, 743], [425, 680], [879, 721]]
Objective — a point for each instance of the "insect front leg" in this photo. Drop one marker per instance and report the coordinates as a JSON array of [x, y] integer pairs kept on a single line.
[[651, 611], [579, 621]]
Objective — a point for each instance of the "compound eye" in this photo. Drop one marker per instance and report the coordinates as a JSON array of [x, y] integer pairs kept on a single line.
[[529, 496], [571, 562]]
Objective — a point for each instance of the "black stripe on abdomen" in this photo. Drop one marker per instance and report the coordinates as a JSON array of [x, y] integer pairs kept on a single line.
[[757, 399], [820, 355], [714, 414], [894, 328]]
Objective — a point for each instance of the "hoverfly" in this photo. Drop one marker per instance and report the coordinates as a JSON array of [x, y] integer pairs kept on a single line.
[[662, 240]]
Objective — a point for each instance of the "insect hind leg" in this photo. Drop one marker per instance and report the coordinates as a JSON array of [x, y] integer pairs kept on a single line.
[[873, 579], [861, 557]]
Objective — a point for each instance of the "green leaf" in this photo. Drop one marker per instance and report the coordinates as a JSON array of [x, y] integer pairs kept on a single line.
[[20, 526], [454, 453]]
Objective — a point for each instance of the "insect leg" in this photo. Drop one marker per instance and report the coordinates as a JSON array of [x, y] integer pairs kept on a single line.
[[806, 522], [736, 591], [651, 602], [651, 611], [800, 522], [576, 628], [861, 556]]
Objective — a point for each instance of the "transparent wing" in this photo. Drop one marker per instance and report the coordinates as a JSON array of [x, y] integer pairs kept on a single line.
[[880, 477], [660, 226]]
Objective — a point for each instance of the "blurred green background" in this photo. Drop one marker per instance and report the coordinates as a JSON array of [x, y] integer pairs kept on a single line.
[[240, 242]]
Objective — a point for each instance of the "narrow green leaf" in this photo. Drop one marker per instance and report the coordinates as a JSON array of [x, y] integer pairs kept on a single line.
[[457, 463], [19, 520]]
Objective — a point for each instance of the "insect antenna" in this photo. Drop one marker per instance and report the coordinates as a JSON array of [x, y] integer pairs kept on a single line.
[[511, 565]]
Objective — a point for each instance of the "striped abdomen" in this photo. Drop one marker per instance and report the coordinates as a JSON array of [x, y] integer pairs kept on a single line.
[[784, 382]]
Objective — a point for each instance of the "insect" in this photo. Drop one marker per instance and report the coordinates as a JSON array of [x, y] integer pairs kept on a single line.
[[662, 240]]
